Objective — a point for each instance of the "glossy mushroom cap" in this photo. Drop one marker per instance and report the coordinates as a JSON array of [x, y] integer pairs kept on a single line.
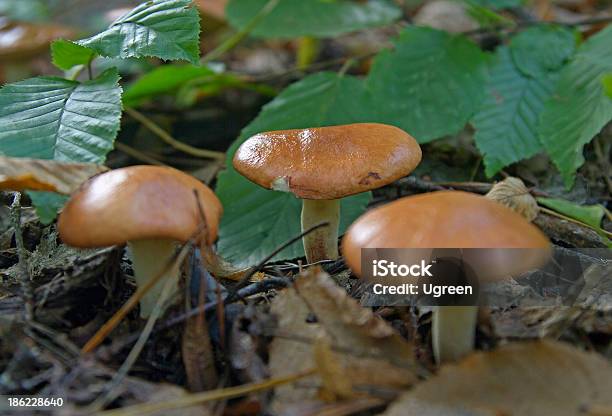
[[450, 219], [138, 203], [328, 162]]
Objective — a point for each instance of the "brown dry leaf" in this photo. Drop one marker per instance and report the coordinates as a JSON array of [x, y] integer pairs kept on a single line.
[[372, 355], [222, 269], [336, 386], [522, 379], [17, 174], [513, 193]]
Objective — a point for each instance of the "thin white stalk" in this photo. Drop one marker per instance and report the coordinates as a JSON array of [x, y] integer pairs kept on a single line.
[[149, 258], [322, 243], [453, 331]]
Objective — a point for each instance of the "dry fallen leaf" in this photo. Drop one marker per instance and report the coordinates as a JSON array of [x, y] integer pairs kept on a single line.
[[522, 379], [371, 354], [17, 174], [336, 386], [513, 193]]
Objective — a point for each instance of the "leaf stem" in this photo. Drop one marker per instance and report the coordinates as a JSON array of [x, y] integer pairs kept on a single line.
[[236, 38], [166, 137]]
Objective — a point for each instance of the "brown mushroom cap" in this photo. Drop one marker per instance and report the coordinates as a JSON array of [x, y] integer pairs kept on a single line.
[[328, 162], [137, 203], [25, 40], [450, 219]]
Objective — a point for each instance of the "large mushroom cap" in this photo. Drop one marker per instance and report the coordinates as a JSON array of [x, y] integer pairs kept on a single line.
[[328, 162], [450, 219], [138, 203]]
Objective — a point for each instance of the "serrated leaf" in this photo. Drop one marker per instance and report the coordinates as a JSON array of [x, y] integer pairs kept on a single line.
[[162, 79], [54, 118], [66, 54], [166, 29], [430, 84], [506, 125], [588, 214], [541, 49], [256, 221], [579, 108], [318, 18]]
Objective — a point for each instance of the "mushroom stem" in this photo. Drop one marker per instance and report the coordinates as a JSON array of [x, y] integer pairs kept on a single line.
[[149, 258], [453, 331], [322, 243]]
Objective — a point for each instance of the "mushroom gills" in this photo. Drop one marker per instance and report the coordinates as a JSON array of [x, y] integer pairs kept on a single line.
[[453, 331], [149, 259], [322, 243]]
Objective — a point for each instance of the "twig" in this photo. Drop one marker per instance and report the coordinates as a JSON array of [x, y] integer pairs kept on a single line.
[[199, 398], [582, 224], [137, 154], [166, 137], [317, 66], [252, 289], [412, 182], [247, 276], [110, 390], [22, 266], [526, 23], [236, 38]]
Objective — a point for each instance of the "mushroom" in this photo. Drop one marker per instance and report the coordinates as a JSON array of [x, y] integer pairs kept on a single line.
[[20, 42], [152, 208], [457, 220], [322, 165]]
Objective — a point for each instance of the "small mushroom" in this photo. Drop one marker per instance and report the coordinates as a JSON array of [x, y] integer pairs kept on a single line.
[[151, 208], [323, 165], [451, 219], [23, 41]]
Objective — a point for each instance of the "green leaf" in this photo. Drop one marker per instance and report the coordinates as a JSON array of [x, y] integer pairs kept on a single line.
[[541, 49], [47, 205], [257, 221], [54, 118], [163, 79], [430, 84], [521, 81], [318, 18], [607, 83], [588, 214], [166, 29], [66, 54], [579, 108]]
